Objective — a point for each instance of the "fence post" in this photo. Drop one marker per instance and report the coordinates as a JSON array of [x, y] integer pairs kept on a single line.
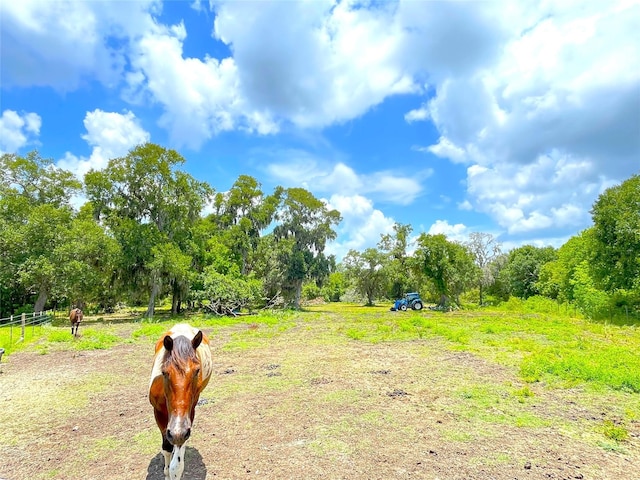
[[23, 323], [11, 330]]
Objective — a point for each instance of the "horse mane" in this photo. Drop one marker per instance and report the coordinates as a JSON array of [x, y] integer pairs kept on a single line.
[[181, 355]]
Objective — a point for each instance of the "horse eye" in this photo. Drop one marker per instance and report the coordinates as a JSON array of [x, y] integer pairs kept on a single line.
[[165, 374]]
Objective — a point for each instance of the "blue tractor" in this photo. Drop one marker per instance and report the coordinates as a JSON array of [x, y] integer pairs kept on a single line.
[[410, 300]]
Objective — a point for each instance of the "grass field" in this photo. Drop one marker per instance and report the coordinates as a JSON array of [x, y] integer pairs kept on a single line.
[[341, 388]]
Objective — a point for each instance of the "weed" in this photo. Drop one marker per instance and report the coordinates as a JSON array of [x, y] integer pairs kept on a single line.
[[522, 393], [614, 432]]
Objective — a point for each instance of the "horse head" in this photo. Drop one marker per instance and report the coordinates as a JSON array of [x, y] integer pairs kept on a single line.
[[182, 383]]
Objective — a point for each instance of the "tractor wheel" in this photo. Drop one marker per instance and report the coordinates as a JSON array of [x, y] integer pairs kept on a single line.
[[417, 306], [403, 307]]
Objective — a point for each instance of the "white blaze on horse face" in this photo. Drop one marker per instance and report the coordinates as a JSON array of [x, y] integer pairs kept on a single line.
[[178, 429], [177, 463]]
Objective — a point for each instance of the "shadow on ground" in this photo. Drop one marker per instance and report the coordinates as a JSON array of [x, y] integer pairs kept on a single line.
[[194, 467]]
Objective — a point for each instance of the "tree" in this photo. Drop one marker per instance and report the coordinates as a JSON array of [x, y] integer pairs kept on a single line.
[[365, 272], [449, 265], [35, 219], [522, 270], [148, 204], [334, 287], [557, 278], [243, 213], [88, 259], [616, 219], [396, 270], [485, 249], [307, 223]]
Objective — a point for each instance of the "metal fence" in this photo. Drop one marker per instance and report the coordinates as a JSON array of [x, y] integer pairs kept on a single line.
[[17, 325]]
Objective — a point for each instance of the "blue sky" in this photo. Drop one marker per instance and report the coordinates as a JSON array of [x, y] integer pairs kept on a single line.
[[508, 118]]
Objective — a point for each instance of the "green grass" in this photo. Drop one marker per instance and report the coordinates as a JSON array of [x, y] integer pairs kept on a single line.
[[10, 337], [614, 432], [542, 346], [533, 375]]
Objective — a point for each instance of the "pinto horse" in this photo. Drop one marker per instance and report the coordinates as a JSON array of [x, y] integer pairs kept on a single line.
[[181, 370], [75, 317]]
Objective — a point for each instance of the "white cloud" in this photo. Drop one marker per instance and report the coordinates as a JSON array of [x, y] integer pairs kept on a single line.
[[64, 43], [465, 205], [417, 115], [540, 100], [111, 135], [456, 233], [361, 226], [329, 63], [18, 130], [446, 149], [547, 117], [302, 169], [527, 198], [314, 63]]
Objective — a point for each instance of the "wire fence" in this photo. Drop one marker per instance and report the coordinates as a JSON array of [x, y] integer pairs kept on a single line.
[[17, 328]]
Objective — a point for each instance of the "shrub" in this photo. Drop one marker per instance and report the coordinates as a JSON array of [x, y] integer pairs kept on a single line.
[[310, 291]]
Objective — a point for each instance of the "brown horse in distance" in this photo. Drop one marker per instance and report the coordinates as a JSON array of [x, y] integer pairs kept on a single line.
[[181, 370], [75, 317]]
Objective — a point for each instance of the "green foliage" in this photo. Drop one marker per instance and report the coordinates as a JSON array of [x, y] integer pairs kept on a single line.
[[151, 207], [485, 248], [449, 265], [335, 287], [305, 224], [310, 291], [226, 293], [557, 278], [242, 214], [591, 301], [365, 272], [35, 220], [522, 270], [609, 365], [535, 304], [614, 432], [616, 218], [397, 269]]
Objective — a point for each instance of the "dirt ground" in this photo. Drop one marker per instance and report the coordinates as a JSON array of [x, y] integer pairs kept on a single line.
[[296, 404]]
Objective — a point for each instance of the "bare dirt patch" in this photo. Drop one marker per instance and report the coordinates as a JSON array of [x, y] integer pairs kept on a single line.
[[301, 403]]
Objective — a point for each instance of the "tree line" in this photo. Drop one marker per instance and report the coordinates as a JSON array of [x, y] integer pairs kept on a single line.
[[141, 237]]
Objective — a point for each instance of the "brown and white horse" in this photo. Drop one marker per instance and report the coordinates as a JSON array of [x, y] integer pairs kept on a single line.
[[75, 317], [181, 370]]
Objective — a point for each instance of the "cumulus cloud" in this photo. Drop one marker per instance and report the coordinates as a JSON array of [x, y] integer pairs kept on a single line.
[[539, 100], [361, 225], [200, 97], [455, 233], [110, 135], [547, 118], [301, 168], [329, 61], [18, 130], [65, 43], [417, 115], [552, 192]]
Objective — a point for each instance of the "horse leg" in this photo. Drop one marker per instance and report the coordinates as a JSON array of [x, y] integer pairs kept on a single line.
[[161, 421], [166, 452], [177, 462]]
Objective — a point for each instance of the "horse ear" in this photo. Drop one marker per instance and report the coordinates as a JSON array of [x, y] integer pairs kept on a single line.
[[168, 343], [197, 340]]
